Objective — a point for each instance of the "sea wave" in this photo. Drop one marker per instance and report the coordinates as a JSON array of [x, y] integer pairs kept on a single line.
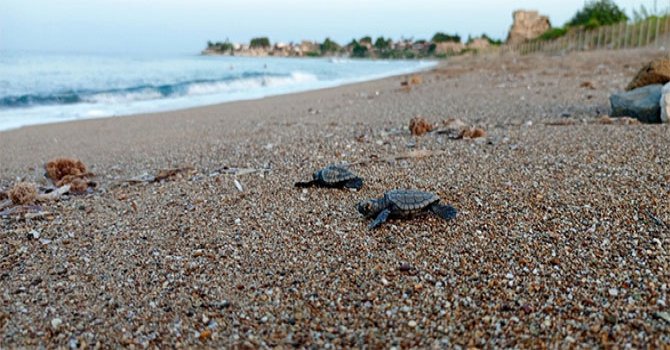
[[147, 92]]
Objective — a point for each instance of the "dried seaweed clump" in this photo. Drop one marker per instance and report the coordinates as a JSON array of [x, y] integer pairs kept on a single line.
[[457, 129], [68, 171], [413, 80], [23, 193], [59, 168], [587, 85], [419, 126], [473, 133]]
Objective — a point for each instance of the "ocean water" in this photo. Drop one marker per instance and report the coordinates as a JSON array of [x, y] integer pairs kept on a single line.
[[47, 88]]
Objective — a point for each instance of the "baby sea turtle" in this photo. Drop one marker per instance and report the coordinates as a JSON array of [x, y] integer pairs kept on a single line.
[[403, 204], [333, 176]]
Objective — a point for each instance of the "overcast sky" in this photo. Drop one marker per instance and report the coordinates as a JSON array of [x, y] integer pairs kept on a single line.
[[184, 26]]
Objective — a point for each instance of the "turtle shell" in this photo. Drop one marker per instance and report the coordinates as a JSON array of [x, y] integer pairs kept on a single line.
[[334, 174], [411, 201]]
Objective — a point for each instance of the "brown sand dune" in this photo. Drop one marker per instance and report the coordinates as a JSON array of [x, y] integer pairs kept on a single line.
[[562, 235]]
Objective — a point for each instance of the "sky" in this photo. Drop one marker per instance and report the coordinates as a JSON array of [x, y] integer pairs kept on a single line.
[[185, 26]]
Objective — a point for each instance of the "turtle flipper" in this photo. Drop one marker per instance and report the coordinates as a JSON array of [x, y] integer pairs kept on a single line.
[[356, 183], [305, 184], [446, 212], [381, 218]]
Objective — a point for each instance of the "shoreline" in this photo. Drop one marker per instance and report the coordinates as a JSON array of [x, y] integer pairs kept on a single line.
[[559, 239], [171, 104]]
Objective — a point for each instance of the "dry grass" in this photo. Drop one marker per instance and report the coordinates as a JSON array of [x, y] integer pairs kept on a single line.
[[473, 133]]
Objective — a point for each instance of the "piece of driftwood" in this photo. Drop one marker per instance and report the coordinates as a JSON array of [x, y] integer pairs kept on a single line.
[[53, 195], [6, 203], [161, 175], [21, 209], [238, 171]]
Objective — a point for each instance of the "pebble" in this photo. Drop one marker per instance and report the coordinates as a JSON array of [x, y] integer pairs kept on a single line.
[[412, 324], [56, 323]]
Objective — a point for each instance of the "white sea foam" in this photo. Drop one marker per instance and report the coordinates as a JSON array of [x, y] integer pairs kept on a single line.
[[102, 86]]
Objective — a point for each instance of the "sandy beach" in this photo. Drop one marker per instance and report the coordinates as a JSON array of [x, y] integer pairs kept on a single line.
[[561, 240]]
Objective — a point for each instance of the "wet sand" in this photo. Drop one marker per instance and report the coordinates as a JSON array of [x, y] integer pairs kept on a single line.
[[561, 238]]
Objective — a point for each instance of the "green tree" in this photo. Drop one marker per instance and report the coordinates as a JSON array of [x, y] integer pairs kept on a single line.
[[260, 42], [383, 44], [329, 46], [495, 42], [598, 13], [440, 37], [358, 50], [366, 40]]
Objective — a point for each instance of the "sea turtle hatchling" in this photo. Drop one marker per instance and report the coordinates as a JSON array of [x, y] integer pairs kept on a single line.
[[403, 204], [333, 176]]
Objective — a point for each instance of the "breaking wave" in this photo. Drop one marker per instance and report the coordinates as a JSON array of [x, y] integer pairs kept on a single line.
[[147, 92]]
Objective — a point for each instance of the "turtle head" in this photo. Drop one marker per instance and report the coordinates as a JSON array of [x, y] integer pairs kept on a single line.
[[368, 208]]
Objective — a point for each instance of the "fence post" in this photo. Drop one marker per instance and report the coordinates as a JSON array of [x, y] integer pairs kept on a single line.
[[600, 34], [622, 32], [625, 35], [640, 35], [610, 40], [648, 41], [658, 26], [619, 32]]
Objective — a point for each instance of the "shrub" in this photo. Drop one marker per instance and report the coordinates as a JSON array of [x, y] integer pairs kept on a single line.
[[220, 46], [598, 13], [383, 44], [329, 46], [553, 33], [358, 50], [259, 42], [442, 37], [494, 42]]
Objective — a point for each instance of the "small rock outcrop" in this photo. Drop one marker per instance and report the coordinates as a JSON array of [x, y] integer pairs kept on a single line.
[[641, 104], [448, 48], [654, 72], [479, 44], [527, 25]]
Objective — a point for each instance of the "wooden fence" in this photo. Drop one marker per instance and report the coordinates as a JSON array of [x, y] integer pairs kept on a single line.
[[652, 32]]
